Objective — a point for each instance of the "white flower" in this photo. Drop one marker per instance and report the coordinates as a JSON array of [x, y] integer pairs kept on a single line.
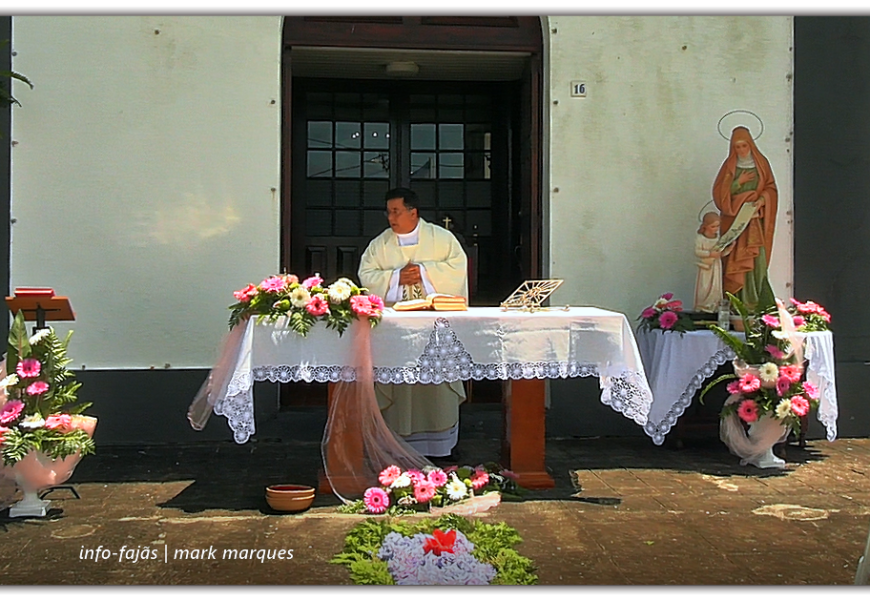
[[339, 291], [9, 380], [455, 489], [401, 481], [34, 421], [783, 409], [299, 297], [38, 336], [768, 372], [406, 501]]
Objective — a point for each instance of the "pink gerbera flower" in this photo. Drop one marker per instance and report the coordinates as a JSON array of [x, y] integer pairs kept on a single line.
[[246, 293], [649, 312], [783, 384], [667, 319], [800, 406], [668, 295], [748, 411], [274, 284], [58, 422], [377, 303], [317, 306], [774, 352], [437, 477], [389, 475], [28, 367], [416, 476], [424, 491], [798, 321], [312, 281], [361, 305], [376, 500], [793, 372], [36, 388], [749, 383], [811, 390], [480, 479], [733, 388], [10, 411], [770, 321]]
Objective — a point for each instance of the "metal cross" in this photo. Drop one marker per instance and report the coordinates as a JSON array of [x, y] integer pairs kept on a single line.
[[447, 221]]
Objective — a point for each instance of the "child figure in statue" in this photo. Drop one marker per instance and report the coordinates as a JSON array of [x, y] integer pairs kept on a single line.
[[708, 285]]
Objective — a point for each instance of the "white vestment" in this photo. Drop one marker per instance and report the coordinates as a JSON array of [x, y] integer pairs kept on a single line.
[[708, 285], [426, 416]]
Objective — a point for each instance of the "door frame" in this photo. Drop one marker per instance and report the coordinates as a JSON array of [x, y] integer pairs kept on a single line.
[[483, 34]]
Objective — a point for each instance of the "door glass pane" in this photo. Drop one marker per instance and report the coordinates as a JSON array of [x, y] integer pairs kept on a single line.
[[319, 134], [451, 165], [319, 163], [347, 222], [318, 222], [347, 164], [422, 165], [376, 165], [423, 136], [347, 135], [450, 136], [376, 135], [347, 193]]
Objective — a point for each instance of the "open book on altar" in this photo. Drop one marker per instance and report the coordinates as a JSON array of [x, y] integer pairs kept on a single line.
[[433, 301]]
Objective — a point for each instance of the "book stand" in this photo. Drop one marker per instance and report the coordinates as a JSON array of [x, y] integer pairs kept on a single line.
[[40, 306]]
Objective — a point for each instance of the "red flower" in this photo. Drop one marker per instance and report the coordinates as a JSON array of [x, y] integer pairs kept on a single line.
[[440, 542]]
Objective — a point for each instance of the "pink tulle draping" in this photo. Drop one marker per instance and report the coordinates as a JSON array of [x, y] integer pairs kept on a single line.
[[215, 385], [357, 443]]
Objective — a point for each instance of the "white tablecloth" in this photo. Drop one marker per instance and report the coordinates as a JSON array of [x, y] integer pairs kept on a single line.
[[678, 366], [432, 347]]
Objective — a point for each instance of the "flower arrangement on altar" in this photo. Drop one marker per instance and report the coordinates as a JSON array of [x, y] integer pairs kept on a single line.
[[769, 378], [451, 550], [306, 302], [39, 409], [666, 314], [419, 490]]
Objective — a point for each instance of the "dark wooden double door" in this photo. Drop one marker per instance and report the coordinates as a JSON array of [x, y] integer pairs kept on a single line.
[[454, 143]]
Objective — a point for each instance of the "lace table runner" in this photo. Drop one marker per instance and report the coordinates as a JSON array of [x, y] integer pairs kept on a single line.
[[431, 347]]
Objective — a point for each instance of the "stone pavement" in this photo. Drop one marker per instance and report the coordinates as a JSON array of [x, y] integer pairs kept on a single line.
[[643, 515]]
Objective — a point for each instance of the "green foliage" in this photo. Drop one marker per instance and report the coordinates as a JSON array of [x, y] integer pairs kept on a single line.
[[6, 96], [493, 543], [27, 431]]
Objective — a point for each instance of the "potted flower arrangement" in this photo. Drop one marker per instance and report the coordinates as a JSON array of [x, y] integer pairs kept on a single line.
[[433, 489], [770, 395], [665, 314], [43, 433], [306, 302]]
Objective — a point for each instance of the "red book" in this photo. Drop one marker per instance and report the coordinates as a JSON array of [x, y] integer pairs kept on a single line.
[[34, 291]]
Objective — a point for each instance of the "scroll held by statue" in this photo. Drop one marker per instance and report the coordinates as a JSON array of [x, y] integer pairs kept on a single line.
[[741, 221]]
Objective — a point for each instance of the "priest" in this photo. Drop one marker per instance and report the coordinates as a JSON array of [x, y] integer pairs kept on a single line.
[[410, 259]]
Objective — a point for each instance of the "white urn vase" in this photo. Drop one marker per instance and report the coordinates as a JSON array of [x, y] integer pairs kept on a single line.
[[753, 444], [37, 471]]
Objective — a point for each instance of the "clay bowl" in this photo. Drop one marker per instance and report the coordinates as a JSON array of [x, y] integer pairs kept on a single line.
[[289, 497]]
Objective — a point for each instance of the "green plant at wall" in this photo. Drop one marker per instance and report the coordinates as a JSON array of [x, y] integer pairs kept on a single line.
[[6, 96]]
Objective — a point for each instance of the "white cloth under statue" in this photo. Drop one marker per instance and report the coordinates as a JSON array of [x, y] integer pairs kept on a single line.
[[426, 416]]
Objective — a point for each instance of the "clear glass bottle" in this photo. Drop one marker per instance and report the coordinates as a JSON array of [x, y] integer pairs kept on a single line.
[[724, 318]]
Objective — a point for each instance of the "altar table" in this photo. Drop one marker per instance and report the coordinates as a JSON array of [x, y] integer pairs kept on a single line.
[[524, 348], [678, 366]]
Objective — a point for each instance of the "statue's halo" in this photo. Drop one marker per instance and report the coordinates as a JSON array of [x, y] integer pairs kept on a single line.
[[735, 118]]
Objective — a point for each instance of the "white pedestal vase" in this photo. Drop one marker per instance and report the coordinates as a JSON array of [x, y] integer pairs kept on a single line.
[[755, 446], [37, 471]]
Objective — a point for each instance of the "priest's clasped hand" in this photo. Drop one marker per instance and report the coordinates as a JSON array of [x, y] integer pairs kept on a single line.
[[410, 274]]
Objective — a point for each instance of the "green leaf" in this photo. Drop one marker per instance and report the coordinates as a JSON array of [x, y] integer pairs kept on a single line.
[[19, 346], [713, 384]]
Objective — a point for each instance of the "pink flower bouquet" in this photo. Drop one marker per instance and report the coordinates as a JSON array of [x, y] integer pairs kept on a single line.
[[665, 314], [304, 303], [39, 408]]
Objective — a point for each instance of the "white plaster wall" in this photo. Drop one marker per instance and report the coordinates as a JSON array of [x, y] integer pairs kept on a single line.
[[635, 161], [144, 173]]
